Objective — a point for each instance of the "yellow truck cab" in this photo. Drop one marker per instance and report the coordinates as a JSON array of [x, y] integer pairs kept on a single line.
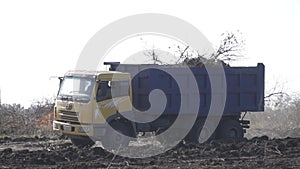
[[84, 106]]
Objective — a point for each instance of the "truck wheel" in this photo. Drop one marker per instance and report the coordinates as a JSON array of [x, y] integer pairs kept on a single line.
[[82, 142], [116, 136], [230, 130], [200, 133]]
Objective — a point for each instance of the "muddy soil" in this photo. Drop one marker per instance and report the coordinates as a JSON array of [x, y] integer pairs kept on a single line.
[[259, 152]]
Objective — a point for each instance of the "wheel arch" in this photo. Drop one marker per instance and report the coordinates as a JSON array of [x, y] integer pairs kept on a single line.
[[118, 118]]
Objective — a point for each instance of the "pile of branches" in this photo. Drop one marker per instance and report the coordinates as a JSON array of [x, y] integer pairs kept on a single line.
[[201, 62], [230, 48]]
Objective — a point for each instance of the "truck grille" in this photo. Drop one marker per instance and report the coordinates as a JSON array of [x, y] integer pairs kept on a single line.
[[69, 116]]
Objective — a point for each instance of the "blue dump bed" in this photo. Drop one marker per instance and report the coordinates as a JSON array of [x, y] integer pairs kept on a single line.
[[244, 87]]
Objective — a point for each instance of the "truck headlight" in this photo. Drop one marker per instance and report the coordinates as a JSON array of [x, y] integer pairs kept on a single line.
[[55, 126]]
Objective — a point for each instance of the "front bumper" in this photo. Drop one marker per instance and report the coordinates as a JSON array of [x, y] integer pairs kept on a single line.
[[91, 130]]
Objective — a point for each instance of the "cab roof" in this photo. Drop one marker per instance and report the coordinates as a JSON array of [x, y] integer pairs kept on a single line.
[[103, 75]]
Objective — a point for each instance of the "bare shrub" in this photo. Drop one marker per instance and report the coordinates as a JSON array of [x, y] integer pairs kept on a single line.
[[279, 120], [36, 120]]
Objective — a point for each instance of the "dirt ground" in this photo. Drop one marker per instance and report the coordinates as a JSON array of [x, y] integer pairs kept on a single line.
[[259, 152]]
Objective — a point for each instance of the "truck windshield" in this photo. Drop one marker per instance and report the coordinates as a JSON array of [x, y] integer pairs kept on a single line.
[[76, 89]]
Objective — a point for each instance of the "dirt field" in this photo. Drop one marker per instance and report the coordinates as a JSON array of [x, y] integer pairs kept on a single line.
[[255, 153]]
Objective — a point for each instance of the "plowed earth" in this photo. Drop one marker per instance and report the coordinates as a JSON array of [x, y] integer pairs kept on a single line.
[[259, 152]]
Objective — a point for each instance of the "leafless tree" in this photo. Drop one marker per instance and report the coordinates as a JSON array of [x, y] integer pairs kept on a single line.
[[277, 96]]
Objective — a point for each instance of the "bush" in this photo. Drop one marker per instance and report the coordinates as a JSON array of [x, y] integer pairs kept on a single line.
[[36, 120], [279, 120]]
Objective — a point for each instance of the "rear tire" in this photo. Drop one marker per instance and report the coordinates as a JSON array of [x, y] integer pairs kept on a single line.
[[200, 133], [230, 130], [81, 142]]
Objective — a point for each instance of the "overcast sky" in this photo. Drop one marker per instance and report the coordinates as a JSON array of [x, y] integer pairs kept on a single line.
[[42, 39]]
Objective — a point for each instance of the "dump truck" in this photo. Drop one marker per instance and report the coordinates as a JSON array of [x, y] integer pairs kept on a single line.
[[95, 105]]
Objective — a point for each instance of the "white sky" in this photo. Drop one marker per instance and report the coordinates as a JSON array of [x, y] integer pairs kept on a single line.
[[41, 39]]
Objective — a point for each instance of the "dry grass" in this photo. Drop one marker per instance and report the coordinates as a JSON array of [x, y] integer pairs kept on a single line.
[[279, 121]]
